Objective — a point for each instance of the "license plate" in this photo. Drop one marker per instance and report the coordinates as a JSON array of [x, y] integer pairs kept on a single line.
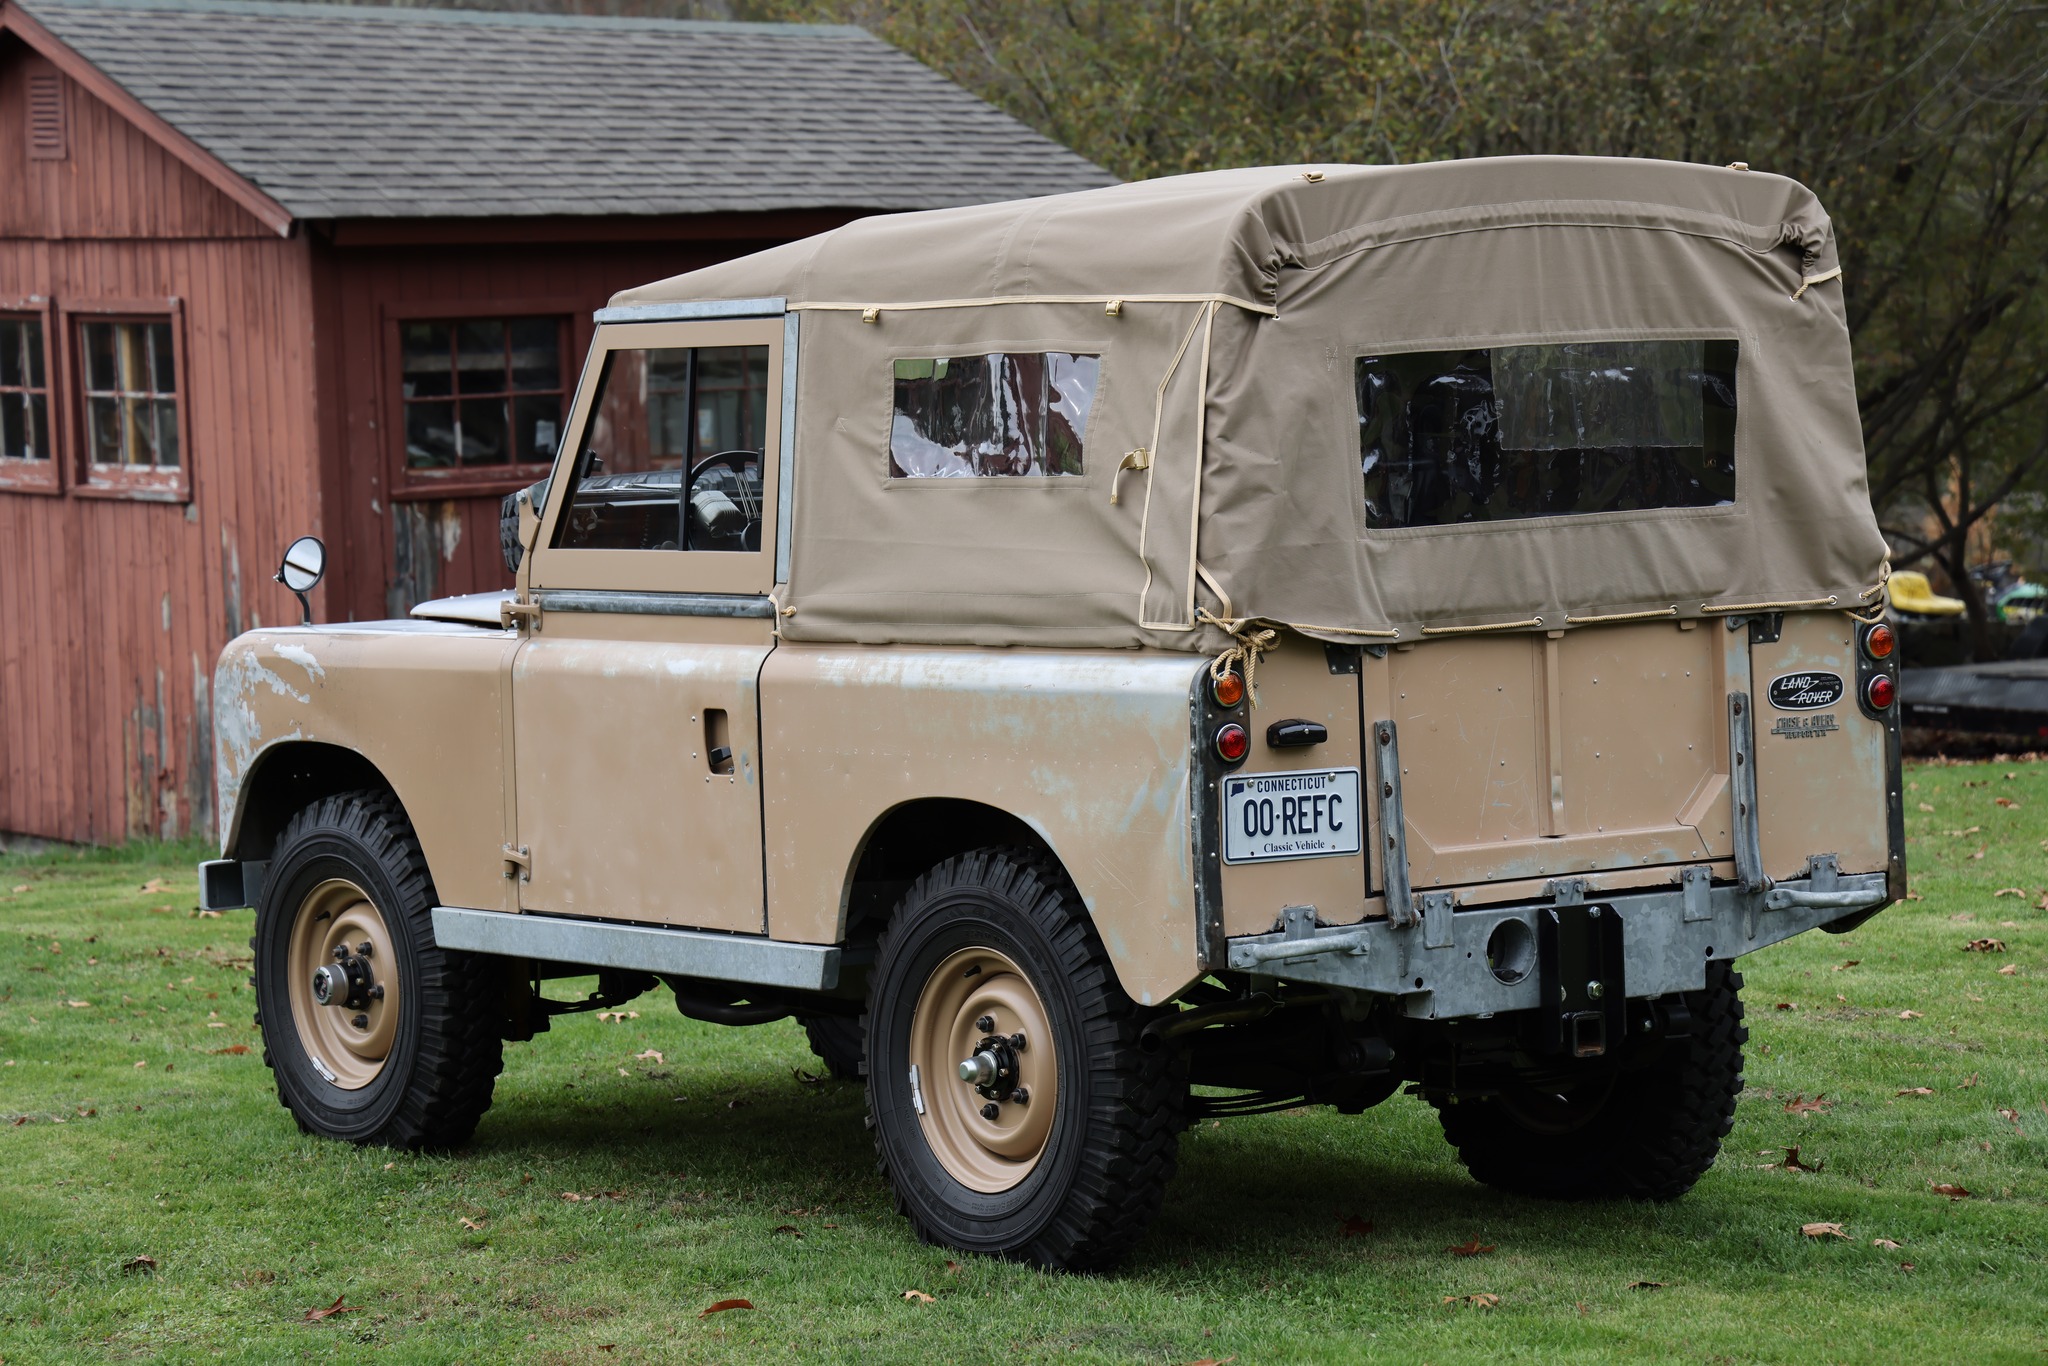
[[1300, 814]]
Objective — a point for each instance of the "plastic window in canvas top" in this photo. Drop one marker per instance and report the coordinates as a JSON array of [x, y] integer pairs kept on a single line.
[[1000, 415], [1515, 432]]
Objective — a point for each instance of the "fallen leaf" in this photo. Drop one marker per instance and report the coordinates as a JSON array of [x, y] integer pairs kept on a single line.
[[1924, 806], [1887, 1244], [1793, 1164], [207, 915], [1357, 1227], [954, 1268], [1646, 1285], [2005, 801], [315, 1315], [1905, 1266], [651, 1055], [1909, 1014], [389, 1165], [1800, 1105], [1844, 967], [1479, 1301], [1472, 1249], [1788, 1005], [144, 1263], [917, 1297], [22, 888], [1916, 1091], [724, 1305], [1985, 946], [216, 1024], [157, 884], [2011, 1115], [1967, 1082], [1915, 896], [79, 1005], [2009, 891], [790, 1229], [141, 1064], [1824, 1231], [806, 1078], [1952, 1192], [624, 1073], [2009, 970], [1841, 998], [235, 1048], [472, 1225], [1979, 854]]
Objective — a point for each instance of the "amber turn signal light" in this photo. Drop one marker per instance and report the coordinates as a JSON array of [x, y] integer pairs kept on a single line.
[[1881, 692], [1879, 642], [1233, 742], [1227, 688]]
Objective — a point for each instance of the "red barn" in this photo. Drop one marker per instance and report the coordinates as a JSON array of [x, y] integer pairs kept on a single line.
[[268, 269]]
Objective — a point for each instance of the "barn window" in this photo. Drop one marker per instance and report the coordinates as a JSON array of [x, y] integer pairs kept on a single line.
[[24, 391], [130, 373], [1001, 414], [481, 394]]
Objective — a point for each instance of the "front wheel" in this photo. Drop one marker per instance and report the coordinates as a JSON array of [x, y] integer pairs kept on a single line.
[[1013, 1109], [374, 1032], [1644, 1135]]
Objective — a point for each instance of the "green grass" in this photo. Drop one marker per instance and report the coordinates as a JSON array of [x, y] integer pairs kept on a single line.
[[125, 1131]]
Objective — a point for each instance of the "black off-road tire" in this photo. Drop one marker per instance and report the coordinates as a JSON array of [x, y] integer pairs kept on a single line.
[[1651, 1137], [445, 1052], [840, 1041], [1111, 1149]]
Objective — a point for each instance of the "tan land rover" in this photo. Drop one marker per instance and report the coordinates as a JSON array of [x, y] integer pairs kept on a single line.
[[1186, 649]]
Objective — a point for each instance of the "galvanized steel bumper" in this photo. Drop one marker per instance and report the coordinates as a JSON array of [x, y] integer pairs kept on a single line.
[[1438, 965]]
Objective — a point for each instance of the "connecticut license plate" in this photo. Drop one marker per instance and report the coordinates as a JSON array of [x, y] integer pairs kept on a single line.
[[1291, 815]]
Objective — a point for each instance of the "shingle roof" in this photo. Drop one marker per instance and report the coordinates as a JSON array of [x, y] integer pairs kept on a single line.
[[361, 112]]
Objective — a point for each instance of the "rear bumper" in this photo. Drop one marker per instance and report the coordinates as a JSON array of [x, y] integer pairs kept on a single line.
[[1439, 967]]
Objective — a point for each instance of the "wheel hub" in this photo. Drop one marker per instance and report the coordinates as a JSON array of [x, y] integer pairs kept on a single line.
[[981, 1020], [341, 973]]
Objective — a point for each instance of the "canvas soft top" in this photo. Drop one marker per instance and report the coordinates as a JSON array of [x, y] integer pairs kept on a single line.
[[1228, 309]]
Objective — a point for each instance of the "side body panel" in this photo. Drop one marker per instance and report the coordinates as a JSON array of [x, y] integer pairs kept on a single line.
[[422, 702], [1090, 749]]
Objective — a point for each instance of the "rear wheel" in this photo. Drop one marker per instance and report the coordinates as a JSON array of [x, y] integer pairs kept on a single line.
[[1645, 1135], [839, 1043], [1014, 1112], [375, 1033]]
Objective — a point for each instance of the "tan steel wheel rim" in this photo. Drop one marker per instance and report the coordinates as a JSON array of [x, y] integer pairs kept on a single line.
[[347, 1054], [983, 1154]]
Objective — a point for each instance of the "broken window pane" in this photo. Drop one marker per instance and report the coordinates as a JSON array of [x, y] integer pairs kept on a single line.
[[131, 394], [992, 415], [1513, 432]]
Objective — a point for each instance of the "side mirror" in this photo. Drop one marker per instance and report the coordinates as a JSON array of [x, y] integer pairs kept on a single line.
[[305, 562], [519, 523]]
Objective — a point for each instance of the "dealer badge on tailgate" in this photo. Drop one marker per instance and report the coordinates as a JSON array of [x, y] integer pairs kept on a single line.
[[1304, 813]]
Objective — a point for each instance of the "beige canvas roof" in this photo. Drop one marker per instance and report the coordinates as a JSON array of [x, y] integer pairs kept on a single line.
[[1228, 309]]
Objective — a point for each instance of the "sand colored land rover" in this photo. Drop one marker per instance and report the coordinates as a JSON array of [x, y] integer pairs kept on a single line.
[[1186, 649]]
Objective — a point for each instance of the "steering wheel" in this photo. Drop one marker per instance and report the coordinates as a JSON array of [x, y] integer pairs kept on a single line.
[[745, 496]]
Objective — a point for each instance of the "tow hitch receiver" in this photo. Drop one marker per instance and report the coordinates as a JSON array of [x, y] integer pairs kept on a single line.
[[1579, 959]]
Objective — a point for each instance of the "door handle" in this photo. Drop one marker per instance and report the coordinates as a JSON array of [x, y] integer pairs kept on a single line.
[[1296, 734]]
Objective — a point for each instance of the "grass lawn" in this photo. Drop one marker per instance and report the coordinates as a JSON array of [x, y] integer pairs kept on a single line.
[[609, 1197]]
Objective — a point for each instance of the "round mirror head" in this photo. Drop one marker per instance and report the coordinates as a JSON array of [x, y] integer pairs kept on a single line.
[[305, 560]]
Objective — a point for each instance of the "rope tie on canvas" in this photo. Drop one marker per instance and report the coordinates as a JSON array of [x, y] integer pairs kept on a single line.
[[1139, 459], [1250, 641], [1807, 282]]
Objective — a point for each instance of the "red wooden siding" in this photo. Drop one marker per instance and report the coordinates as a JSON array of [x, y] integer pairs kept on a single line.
[[112, 611]]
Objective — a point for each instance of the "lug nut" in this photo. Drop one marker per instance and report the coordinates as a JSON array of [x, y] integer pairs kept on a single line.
[[986, 1024], [991, 1110], [377, 992], [360, 1021], [341, 953], [1017, 1041], [1020, 1095], [363, 949]]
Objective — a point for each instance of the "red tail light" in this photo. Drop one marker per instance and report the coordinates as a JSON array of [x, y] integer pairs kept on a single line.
[[1232, 743], [1879, 642], [1881, 692]]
